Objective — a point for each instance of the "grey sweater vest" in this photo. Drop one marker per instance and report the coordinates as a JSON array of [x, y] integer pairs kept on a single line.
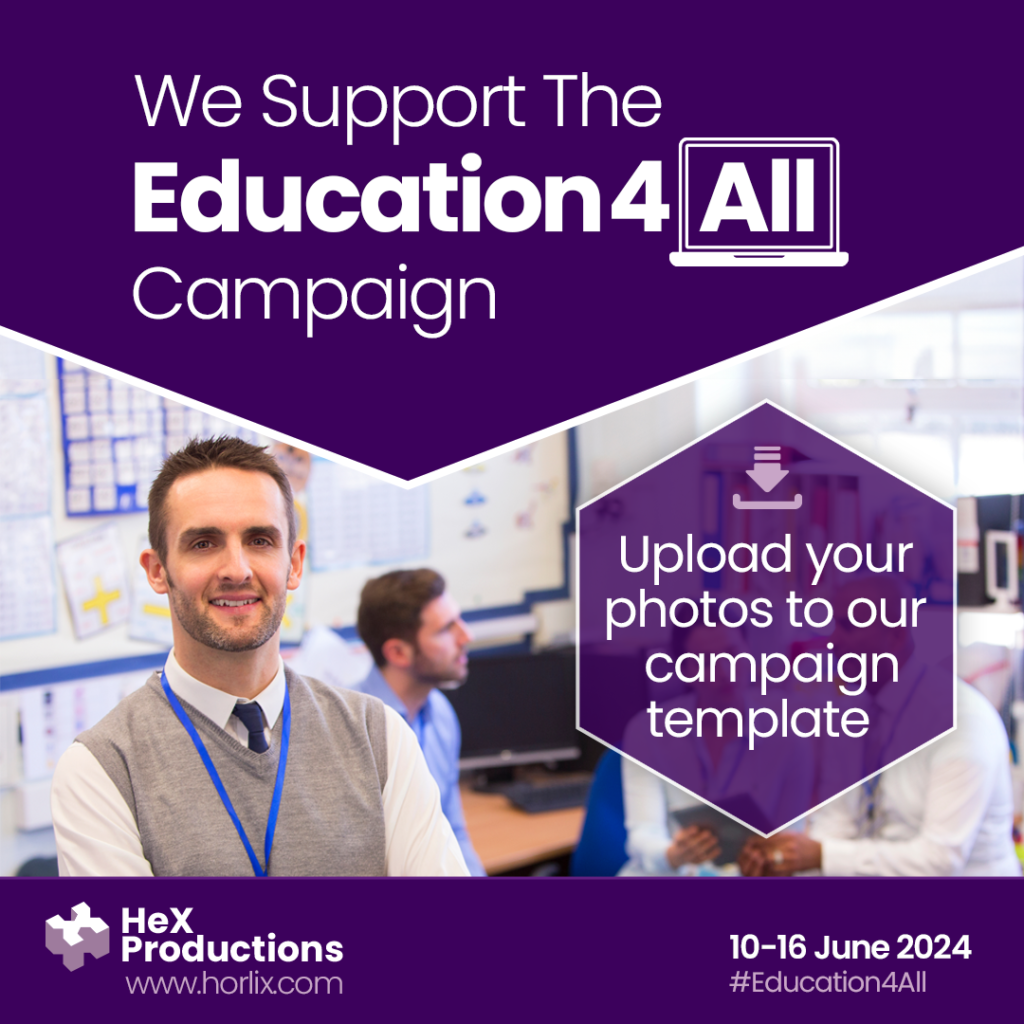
[[331, 820]]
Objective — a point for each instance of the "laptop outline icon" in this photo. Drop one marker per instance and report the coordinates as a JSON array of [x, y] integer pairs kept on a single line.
[[765, 254]]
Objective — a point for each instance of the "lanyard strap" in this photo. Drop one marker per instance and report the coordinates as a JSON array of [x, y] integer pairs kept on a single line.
[[275, 802], [871, 785]]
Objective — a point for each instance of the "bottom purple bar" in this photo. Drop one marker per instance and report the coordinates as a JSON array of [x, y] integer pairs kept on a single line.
[[515, 949]]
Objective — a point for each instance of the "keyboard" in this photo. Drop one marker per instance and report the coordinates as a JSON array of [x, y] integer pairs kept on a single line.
[[548, 795]]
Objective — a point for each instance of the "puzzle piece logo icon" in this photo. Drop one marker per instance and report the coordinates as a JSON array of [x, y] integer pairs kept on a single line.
[[73, 939]]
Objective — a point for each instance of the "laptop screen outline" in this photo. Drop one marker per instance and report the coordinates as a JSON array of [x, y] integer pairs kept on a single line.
[[765, 249]]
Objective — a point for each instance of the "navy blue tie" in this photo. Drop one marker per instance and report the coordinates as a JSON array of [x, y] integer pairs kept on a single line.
[[252, 718]]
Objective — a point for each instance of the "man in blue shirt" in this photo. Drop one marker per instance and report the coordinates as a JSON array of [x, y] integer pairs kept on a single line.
[[418, 641]]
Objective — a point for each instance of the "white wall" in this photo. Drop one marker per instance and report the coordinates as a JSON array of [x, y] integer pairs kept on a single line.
[[931, 387]]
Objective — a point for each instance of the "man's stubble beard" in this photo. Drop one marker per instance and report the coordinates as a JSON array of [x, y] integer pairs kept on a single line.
[[203, 630], [450, 678]]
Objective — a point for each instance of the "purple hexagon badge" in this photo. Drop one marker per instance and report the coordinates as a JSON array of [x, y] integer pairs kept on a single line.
[[766, 618]]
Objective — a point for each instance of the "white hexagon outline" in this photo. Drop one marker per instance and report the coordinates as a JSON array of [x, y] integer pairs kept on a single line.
[[683, 448]]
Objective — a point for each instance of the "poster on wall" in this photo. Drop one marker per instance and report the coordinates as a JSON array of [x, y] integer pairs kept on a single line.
[[95, 580]]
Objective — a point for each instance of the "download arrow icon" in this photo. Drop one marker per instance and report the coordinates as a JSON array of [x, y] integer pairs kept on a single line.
[[767, 474]]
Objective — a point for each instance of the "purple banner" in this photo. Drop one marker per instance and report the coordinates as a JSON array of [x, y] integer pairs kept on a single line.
[[470, 218], [508, 950]]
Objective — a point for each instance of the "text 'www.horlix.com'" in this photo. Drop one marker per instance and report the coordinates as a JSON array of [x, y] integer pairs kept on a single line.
[[252, 983]]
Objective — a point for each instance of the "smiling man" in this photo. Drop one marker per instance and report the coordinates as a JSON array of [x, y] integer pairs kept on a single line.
[[415, 633], [226, 762]]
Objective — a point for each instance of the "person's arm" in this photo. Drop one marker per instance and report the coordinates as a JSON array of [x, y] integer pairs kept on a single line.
[[449, 738], [647, 838], [95, 829], [418, 838], [955, 802], [451, 805], [960, 774], [648, 842], [452, 808], [838, 818]]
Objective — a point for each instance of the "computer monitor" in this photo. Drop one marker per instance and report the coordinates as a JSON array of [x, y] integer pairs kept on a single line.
[[518, 709], [982, 579]]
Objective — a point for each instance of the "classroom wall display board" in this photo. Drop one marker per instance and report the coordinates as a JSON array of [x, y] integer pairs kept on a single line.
[[27, 568], [115, 436], [497, 530]]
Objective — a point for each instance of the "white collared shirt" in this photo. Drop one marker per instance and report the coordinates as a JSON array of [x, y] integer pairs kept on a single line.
[[219, 706], [945, 810], [97, 833]]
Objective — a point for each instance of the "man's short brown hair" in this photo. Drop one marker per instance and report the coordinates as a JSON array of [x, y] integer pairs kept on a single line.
[[391, 605], [212, 453]]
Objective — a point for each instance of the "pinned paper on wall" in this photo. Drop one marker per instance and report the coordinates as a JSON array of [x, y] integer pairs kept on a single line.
[[115, 438], [354, 519], [25, 467], [293, 625], [494, 553], [525, 518], [52, 716], [27, 577], [968, 536], [22, 368], [8, 739], [150, 617], [94, 580]]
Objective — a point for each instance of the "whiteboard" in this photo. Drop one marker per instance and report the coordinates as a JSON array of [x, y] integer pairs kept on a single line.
[[496, 531]]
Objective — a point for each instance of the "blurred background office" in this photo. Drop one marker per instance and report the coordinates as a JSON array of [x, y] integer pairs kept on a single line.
[[932, 388]]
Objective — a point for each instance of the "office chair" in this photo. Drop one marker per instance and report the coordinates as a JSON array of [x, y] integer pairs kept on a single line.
[[601, 850], [39, 867]]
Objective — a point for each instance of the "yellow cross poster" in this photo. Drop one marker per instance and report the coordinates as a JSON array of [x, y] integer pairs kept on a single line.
[[92, 567]]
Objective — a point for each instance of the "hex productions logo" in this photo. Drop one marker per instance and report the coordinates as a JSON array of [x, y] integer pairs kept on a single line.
[[763, 202], [73, 939]]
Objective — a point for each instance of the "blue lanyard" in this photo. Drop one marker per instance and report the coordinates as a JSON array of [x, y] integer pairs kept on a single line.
[[275, 803], [871, 785]]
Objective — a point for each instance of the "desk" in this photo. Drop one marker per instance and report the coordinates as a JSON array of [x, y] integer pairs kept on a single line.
[[506, 837]]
